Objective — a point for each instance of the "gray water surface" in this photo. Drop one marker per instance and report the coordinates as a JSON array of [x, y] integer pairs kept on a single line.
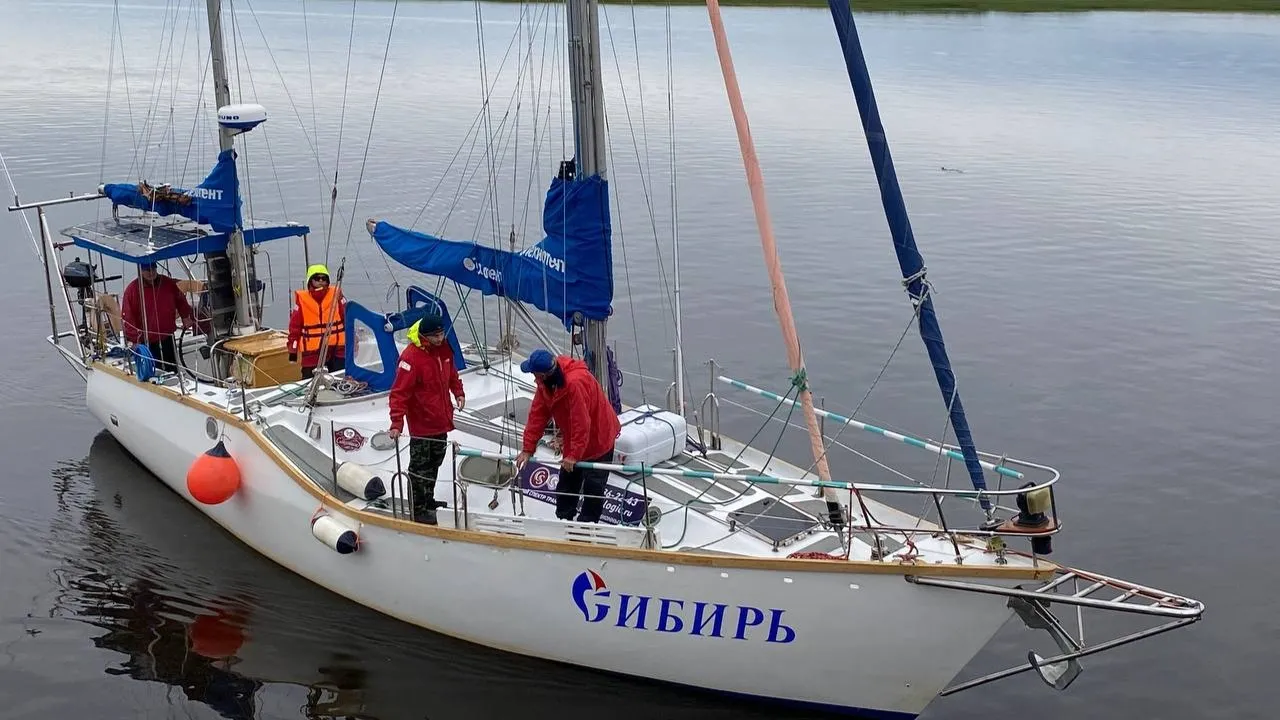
[[1102, 245]]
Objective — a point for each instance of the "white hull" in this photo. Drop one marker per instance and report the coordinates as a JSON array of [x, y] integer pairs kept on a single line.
[[865, 641]]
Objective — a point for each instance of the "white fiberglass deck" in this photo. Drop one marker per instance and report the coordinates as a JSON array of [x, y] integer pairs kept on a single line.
[[697, 515]]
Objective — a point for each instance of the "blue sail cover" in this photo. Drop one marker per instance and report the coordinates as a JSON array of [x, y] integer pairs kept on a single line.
[[904, 243], [214, 202], [569, 271]]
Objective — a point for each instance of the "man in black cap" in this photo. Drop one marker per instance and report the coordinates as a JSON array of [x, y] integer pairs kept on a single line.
[[425, 377]]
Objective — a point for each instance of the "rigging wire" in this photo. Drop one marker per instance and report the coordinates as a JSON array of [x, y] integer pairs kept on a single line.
[[128, 97], [342, 119], [172, 169], [266, 140], [844, 426], [369, 141], [315, 152], [311, 88], [106, 115], [157, 83], [626, 269], [671, 160], [479, 117], [197, 115], [488, 120], [35, 244]]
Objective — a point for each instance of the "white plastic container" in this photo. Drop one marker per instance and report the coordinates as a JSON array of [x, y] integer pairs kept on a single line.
[[649, 435]]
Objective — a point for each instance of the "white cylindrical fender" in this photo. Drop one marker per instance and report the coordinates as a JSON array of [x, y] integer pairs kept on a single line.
[[357, 480], [332, 532]]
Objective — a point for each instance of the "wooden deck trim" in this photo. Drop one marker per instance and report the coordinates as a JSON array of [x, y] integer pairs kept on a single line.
[[1045, 571]]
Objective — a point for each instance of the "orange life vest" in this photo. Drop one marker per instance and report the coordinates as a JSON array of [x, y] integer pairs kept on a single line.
[[314, 317]]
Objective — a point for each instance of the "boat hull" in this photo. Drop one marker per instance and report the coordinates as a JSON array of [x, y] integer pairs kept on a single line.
[[870, 643]]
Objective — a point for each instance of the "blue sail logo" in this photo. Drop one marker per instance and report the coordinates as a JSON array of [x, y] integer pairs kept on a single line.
[[586, 582]]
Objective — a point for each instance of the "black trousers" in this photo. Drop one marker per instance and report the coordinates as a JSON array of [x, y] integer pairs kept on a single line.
[[426, 454], [590, 484], [332, 364], [165, 353]]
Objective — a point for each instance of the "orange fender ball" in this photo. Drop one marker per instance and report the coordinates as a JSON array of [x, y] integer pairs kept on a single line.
[[214, 476]]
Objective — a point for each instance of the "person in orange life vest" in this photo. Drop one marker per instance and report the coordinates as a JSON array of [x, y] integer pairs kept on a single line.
[[425, 377], [314, 307], [150, 310], [569, 394]]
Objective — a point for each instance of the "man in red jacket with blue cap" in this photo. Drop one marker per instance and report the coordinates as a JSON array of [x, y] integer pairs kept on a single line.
[[569, 394]]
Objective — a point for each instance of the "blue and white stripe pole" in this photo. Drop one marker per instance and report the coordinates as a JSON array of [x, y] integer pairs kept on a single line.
[[914, 442], [740, 477]]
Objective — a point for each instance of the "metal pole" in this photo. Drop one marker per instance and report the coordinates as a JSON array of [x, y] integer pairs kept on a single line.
[[49, 252], [589, 141], [675, 252], [59, 201], [237, 252], [48, 279], [395, 512]]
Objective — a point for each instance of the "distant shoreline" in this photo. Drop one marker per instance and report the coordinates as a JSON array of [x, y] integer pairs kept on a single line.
[[1007, 6]]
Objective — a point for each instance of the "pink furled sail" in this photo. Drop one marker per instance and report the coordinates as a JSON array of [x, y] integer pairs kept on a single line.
[[781, 302]]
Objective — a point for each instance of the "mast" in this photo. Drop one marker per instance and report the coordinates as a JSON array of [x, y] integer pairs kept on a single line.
[[588, 138], [904, 243], [781, 301], [241, 261]]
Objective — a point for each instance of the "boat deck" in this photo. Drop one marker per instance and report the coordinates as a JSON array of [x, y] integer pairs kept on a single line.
[[717, 516]]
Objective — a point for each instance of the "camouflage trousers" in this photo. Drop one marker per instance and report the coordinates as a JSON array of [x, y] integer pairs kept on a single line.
[[426, 454]]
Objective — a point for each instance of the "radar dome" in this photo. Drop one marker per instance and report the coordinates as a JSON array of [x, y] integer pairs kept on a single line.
[[242, 118]]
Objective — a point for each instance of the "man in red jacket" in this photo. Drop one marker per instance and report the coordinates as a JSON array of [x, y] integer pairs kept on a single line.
[[569, 394], [425, 377], [150, 309]]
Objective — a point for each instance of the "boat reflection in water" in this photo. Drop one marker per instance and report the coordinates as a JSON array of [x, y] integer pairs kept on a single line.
[[190, 607]]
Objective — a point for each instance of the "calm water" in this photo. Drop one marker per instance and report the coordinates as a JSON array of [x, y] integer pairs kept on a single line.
[[1102, 244]]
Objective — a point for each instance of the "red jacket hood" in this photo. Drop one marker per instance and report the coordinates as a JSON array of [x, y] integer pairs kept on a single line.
[[570, 365]]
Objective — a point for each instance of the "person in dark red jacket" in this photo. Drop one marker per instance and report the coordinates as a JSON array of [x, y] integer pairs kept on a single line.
[[569, 394], [425, 377], [150, 309]]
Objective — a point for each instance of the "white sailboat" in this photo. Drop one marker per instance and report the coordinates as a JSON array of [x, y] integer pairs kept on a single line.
[[716, 565]]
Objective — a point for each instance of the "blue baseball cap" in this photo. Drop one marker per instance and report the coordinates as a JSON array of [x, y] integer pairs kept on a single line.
[[539, 361]]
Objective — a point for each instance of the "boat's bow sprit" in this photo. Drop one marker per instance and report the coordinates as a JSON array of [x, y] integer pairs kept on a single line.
[[1081, 589]]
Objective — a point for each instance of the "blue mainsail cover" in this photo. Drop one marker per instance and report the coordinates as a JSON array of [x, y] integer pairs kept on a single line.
[[904, 243], [569, 271], [214, 202]]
